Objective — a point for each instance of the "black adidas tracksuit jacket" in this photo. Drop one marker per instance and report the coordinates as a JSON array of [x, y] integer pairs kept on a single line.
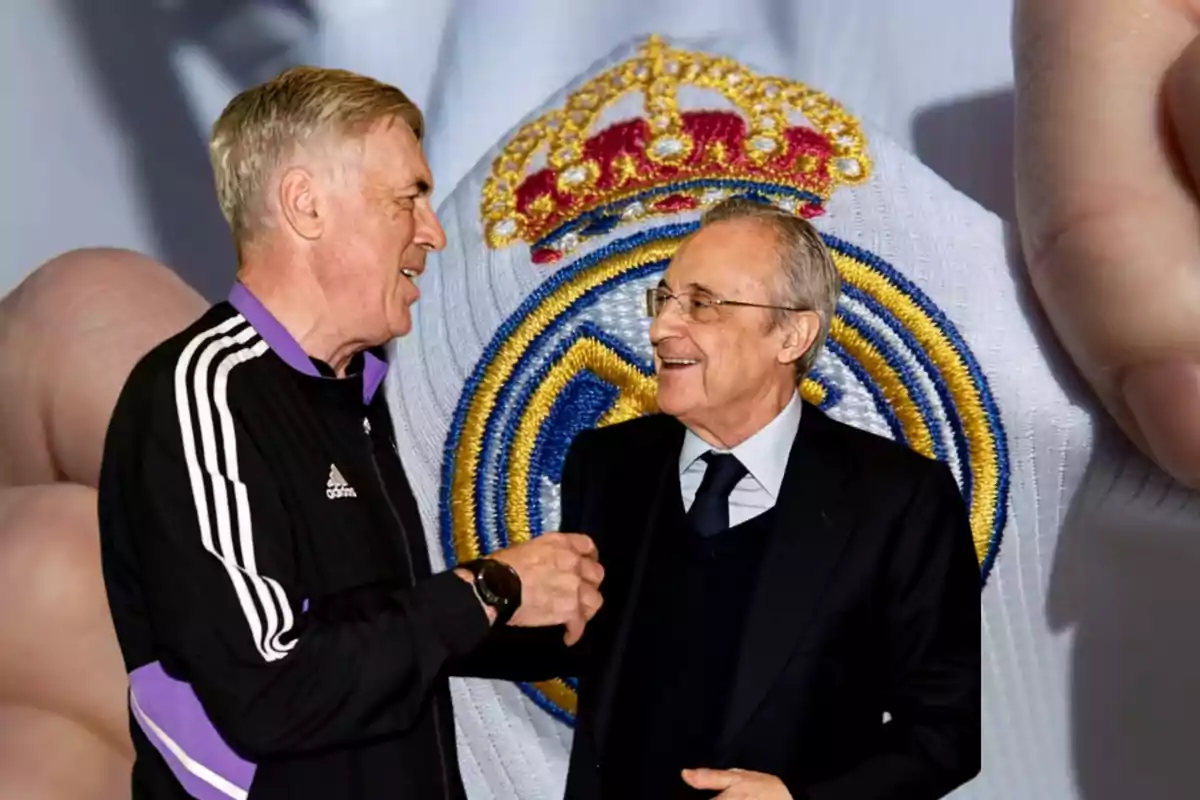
[[268, 577]]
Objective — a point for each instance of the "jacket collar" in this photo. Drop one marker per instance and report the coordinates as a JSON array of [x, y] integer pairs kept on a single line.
[[284, 345]]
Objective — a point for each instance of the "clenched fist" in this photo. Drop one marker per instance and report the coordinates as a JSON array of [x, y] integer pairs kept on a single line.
[[560, 581]]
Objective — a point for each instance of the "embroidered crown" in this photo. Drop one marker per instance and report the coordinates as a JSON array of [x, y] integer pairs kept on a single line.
[[671, 159]]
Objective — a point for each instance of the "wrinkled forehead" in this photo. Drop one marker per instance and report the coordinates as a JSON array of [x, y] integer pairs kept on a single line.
[[389, 152], [731, 259]]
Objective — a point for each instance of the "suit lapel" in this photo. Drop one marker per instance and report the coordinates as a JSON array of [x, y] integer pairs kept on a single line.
[[660, 482], [810, 534]]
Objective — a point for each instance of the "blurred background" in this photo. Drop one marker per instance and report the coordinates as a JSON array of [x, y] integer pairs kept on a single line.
[[110, 100]]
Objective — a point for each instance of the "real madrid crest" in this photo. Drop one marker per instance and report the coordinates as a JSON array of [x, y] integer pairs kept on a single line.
[[603, 203]]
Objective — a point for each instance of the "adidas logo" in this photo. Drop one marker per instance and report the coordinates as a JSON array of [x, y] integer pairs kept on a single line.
[[336, 486]]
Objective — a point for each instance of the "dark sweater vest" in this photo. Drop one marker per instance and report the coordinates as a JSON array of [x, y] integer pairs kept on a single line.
[[681, 657]]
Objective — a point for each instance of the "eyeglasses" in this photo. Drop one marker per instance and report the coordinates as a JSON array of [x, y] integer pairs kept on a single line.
[[699, 306]]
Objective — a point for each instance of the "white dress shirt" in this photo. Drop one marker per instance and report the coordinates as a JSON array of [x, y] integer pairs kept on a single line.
[[764, 455]]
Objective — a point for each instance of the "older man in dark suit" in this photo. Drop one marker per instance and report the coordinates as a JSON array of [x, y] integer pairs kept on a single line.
[[791, 604]]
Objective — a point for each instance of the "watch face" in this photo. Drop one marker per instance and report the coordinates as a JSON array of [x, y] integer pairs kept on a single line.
[[501, 583]]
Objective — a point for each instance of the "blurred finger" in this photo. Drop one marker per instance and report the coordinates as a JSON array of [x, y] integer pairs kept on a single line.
[[1164, 397], [44, 756], [1108, 215], [50, 571], [69, 335]]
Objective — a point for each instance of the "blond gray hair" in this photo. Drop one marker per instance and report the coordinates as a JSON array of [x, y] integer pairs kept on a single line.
[[261, 125], [809, 278]]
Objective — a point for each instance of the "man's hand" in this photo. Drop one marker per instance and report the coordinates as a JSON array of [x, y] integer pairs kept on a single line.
[[560, 580], [737, 784], [1108, 161]]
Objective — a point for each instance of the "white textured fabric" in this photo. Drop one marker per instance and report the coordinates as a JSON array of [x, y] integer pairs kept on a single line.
[[764, 455], [1065, 714]]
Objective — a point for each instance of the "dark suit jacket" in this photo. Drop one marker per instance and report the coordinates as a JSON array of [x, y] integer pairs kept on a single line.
[[867, 602]]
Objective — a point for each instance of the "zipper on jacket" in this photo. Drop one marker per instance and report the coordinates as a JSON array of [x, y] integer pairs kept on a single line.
[[412, 578]]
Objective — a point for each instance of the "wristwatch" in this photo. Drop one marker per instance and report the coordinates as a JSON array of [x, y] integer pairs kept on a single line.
[[497, 585]]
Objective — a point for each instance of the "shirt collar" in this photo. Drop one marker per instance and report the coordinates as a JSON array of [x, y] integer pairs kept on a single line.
[[284, 345], [765, 454]]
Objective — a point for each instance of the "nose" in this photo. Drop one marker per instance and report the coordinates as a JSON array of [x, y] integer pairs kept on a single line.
[[668, 324], [429, 234]]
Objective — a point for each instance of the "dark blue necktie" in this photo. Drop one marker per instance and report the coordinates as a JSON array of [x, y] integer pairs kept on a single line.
[[709, 513]]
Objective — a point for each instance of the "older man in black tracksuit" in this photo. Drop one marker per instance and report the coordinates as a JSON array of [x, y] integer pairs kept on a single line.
[[283, 631]]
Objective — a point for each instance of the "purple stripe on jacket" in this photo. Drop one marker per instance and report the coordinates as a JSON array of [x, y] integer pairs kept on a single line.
[[166, 708]]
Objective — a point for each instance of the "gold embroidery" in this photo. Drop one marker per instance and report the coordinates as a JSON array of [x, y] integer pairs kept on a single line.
[[889, 383], [637, 397], [965, 391], [835, 152]]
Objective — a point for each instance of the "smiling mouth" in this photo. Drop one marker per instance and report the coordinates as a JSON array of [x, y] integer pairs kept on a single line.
[[677, 363], [410, 273]]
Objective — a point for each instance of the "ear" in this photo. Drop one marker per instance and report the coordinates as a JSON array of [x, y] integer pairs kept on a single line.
[[799, 332], [299, 200]]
